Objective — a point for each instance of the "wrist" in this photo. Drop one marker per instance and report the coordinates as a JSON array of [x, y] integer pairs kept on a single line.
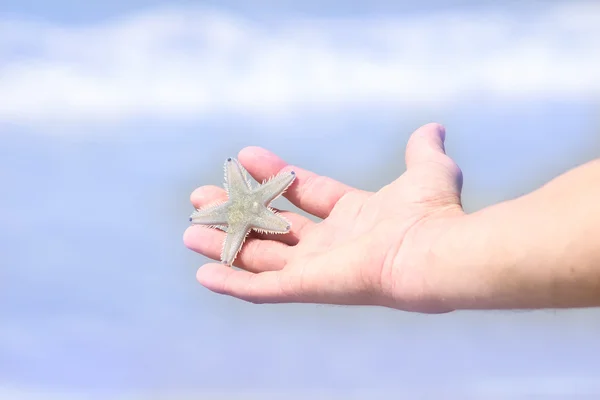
[[459, 265], [480, 261]]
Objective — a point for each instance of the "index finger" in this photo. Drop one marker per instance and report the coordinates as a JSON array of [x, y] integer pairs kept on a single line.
[[313, 193]]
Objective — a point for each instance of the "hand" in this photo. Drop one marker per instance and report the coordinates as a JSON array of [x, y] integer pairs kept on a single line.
[[369, 249]]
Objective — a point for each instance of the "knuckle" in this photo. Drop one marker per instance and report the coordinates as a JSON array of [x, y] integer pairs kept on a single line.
[[206, 194], [349, 197], [310, 185]]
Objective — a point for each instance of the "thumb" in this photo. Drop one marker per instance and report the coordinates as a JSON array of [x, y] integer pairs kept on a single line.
[[425, 144]]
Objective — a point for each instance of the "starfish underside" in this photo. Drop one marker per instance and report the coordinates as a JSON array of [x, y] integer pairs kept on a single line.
[[246, 209]]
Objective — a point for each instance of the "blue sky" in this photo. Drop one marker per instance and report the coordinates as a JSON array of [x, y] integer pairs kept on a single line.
[[111, 113]]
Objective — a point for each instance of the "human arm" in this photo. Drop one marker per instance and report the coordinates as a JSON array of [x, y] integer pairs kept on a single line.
[[541, 250]]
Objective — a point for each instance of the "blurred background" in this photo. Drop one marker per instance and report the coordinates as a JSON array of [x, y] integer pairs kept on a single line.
[[112, 112]]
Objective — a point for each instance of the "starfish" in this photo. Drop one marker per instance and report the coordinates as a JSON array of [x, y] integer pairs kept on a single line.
[[246, 209]]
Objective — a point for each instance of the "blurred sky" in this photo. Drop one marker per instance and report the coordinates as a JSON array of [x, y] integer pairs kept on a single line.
[[112, 112]]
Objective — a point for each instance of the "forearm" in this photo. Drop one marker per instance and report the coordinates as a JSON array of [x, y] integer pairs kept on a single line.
[[541, 250]]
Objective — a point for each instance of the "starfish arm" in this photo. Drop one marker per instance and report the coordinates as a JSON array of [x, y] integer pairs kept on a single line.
[[275, 187], [214, 216], [234, 239], [236, 178], [268, 221]]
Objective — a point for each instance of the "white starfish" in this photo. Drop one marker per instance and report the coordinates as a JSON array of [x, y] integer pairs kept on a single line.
[[246, 209]]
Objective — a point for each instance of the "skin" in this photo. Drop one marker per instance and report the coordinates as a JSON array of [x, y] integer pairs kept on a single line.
[[410, 245]]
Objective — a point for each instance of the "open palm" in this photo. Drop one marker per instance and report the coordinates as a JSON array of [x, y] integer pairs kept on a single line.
[[369, 249]]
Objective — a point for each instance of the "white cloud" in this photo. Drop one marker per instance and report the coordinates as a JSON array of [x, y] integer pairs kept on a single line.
[[186, 63]]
